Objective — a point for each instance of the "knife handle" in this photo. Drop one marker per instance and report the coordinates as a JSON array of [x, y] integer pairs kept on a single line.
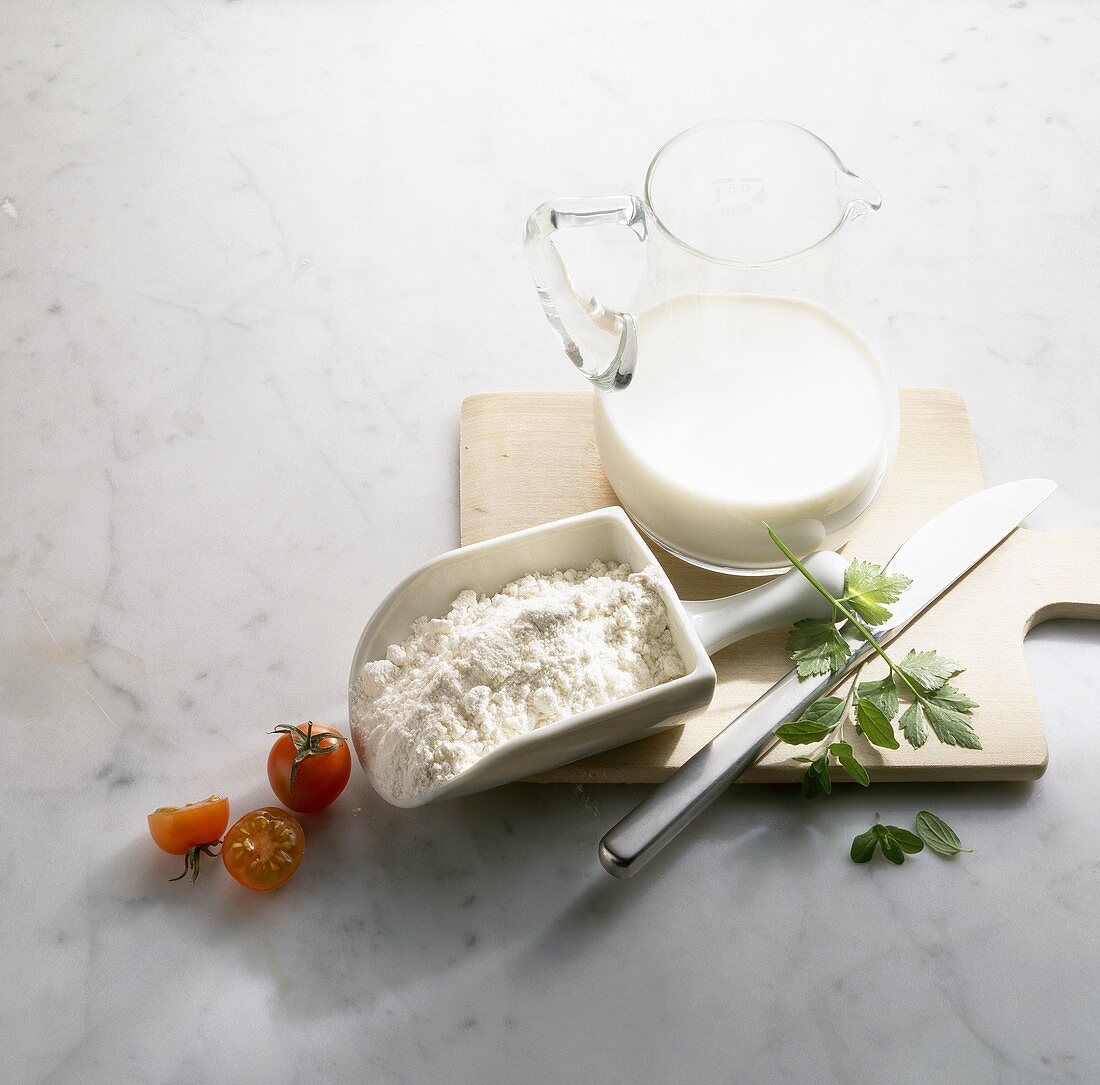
[[673, 805]]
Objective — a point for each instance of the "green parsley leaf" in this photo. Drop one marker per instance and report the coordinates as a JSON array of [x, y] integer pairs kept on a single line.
[[950, 697], [928, 670], [913, 726], [875, 725], [951, 724], [947, 710], [938, 835], [816, 648], [882, 694], [863, 846], [866, 589]]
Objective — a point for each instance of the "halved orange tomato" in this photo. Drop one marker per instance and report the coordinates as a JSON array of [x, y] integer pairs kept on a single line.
[[192, 830], [264, 848]]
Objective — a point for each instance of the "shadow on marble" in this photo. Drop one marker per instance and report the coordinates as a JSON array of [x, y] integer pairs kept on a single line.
[[388, 901]]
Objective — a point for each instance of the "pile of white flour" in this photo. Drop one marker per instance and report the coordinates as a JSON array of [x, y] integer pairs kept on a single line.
[[545, 647]]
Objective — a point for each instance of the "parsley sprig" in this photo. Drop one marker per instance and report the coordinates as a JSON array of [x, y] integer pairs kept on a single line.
[[920, 681]]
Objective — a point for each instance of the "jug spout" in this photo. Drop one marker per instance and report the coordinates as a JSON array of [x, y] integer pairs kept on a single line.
[[862, 195]]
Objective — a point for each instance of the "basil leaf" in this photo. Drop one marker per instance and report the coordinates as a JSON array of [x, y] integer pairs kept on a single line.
[[863, 846], [938, 835], [875, 725]]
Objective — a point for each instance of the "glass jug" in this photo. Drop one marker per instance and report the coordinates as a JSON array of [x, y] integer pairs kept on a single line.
[[736, 391]]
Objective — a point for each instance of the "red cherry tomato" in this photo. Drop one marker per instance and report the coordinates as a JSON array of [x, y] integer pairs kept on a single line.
[[263, 849], [308, 766]]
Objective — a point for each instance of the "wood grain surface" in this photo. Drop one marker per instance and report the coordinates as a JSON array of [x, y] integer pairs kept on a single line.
[[527, 458]]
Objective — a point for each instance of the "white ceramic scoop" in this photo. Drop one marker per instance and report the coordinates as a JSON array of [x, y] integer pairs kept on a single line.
[[699, 629]]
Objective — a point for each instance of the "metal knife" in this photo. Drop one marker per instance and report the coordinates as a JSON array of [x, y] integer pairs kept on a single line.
[[935, 557]]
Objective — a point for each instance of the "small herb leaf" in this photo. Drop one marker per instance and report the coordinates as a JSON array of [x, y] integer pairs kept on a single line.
[[907, 841], [952, 726], [875, 725], [854, 769], [863, 846], [913, 726], [811, 783], [816, 722], [816, 779], [892, 849], [866, 589], [810, 787], [950, 697], [816, 648], [938, 835], [928, 670], [825, 710], [801, 733], [882, 694]]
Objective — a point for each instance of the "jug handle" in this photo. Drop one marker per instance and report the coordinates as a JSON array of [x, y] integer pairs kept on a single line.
[[590, 333]]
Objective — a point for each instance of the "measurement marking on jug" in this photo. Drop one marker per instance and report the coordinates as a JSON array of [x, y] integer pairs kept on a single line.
[[736, 195]]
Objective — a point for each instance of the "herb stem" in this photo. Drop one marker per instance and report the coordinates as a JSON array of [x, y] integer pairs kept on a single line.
[[864, 632]]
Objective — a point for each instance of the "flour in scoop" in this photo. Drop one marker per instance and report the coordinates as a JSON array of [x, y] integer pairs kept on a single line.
[[543, 648]]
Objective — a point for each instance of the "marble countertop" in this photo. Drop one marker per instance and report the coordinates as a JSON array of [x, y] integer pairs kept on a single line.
[[252, 257]]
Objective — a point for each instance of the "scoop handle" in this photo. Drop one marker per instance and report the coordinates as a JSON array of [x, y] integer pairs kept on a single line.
[[782, 601]]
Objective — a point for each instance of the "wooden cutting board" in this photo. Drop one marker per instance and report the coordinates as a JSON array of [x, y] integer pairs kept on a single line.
[[527, 458]]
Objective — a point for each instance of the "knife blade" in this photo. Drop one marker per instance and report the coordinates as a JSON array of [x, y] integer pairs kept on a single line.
[[934, 557]]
